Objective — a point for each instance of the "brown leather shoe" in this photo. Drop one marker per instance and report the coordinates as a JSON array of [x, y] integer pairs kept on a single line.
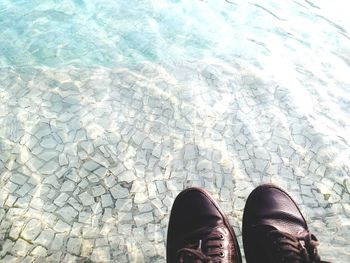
[[274, 229], [199, 231]]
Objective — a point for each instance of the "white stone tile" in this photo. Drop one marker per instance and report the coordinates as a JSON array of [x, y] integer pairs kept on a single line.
[[19, 179], [48, 142], [106, 200], [119, 192], [45, 238], [87, 146], [100, 160], [47, 155], [91, 165], [86, 199], [101, 254], [152, 190], [67, 213], [110, 181], [161, 187], [11, 187], [74, 245], [61, 227], [138, 187], [49, 168], [15, 229], [143, 219], [141, 198], [126, 176], [34, 164], [62, 159], [190, 152], [68, 186], [57, 243], [21, 248], [123, 205], [203, 165], [39, 251], [31, 230], [101, 171], [93, 178], [61, 199], [98, 190]]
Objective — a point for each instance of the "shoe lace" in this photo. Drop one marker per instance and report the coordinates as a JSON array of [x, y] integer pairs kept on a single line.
[[206, 250], [298, 249]]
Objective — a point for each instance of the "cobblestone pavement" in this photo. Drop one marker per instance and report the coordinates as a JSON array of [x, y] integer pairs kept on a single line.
[[92, 159]]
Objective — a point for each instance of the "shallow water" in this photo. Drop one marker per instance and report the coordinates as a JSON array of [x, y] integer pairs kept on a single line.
[[109, 110]]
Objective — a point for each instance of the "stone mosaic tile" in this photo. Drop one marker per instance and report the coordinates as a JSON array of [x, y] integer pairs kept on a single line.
[[92, 159]]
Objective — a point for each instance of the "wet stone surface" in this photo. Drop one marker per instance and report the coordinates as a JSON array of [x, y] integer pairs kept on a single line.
[[91, 160]]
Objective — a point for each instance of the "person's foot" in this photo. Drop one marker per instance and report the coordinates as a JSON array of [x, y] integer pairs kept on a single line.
[[199, 231], [274, 229]]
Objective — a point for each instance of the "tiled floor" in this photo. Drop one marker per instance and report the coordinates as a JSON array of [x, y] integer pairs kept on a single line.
[[92, 159]]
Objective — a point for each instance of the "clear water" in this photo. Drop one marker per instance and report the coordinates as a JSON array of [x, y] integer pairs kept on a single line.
[[110, 108]]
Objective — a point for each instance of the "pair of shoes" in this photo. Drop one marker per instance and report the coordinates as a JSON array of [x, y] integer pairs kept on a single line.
[[274, 230]]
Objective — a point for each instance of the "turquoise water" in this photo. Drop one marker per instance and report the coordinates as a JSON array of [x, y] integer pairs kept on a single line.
[[108, 109], [110, 33]]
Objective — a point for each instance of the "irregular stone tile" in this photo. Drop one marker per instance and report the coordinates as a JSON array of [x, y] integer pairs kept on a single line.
[[67, 213], [61, 227], [101, 254], [138, 187], [68, 186], [34, 164], [10, 187], [106, 200], [15, 229], [101, 172], [157, 151], [61, 199], [45, 237], [123, 205], [74, 245], [23, 202], [87, 146], [110, 181], [101, 160], [190, 152], [98, 190], [47, 155], [204, 165], [91, 165], [39, 251], [57, 243], [127, 176], [49, 168], [21, 248], [161, 187], [141, 197], [86, 199], [62, 159], [48, 142], [19, 179], [143, 219], [31, 230]]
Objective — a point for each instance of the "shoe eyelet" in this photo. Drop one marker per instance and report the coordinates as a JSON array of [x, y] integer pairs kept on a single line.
[[221, 237], [221, 245], [222, 254]]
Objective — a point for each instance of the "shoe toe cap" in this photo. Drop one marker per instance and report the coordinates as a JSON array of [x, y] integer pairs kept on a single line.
[[271, 205], [194, 207]]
